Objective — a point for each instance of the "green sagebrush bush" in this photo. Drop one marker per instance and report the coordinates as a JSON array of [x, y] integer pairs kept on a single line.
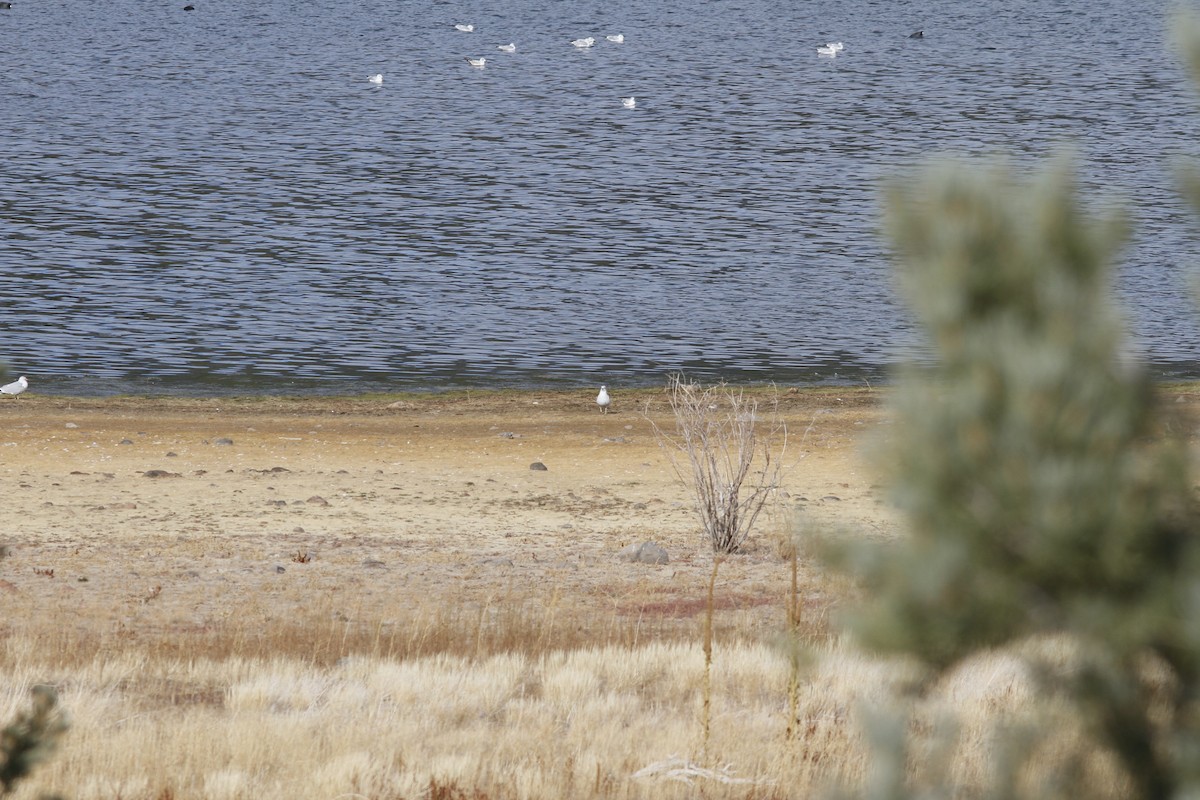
[[1047, 494]]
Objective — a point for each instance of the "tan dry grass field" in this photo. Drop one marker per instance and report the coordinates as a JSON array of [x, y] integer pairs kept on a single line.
[[377, 597]]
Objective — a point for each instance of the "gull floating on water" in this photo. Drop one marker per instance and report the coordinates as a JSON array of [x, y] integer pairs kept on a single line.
[[583, 43], [603, 400], [20, 385], [508, 48], [376, 78], [830, 49], [464, 28], [477, 62], [629, 102], [617, 38]]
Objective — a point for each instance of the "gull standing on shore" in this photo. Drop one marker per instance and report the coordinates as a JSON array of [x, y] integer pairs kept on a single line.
[[603, 400], [20, 385]]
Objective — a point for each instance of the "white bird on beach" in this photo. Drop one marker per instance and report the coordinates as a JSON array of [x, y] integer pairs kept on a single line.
[[477, 62], [464, 28], [18, 386], [629, 102], [377, 78], [583, 43], [508, 48], [616, 38], [603, 400]]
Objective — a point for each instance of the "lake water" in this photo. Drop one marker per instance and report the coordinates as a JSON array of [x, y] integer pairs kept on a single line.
[[219, 201]]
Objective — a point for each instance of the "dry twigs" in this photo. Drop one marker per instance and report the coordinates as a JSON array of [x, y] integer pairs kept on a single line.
[[727, 441]]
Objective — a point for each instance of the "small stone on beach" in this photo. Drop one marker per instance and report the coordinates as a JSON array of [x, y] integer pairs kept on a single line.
[[644, 553]]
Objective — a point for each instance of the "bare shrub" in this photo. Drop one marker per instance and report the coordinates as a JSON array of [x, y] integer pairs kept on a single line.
[[722, 449]]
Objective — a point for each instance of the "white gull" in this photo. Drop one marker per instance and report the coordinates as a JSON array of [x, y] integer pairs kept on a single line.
[[16, 387]]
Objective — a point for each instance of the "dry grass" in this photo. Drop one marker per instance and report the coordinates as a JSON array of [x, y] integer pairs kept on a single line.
[[322, 628], [517, 698], [728, 451], [606, 721]]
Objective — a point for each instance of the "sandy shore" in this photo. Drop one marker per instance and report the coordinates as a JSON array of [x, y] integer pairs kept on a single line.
[[148, 519]]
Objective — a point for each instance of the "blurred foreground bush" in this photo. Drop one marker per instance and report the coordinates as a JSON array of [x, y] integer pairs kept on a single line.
[[1048, 502]]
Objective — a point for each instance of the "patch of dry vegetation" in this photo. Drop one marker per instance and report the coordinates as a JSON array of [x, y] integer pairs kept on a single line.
[[613, 721], [191, 668]]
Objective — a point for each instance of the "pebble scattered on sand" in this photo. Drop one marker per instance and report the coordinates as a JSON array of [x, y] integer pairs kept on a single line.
[[644, 553]]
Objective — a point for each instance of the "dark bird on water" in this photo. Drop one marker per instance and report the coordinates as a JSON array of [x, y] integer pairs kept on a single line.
[[917, 35]]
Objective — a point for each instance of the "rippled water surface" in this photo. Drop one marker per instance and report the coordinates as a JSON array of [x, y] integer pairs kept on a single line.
[[219, 200]]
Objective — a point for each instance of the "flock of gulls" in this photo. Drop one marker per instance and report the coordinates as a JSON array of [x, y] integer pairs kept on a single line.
[[511, 47], [827, 50]]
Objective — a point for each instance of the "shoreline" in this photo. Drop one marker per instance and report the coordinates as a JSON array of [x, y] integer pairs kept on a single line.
[[71, 388], [1165, 375], [494, 399]]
